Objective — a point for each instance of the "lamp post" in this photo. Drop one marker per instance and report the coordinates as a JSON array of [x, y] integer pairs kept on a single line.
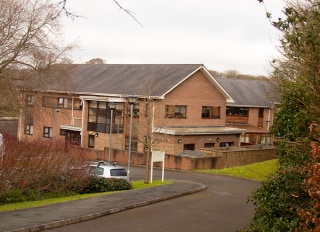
[[131, 100], [112, 106]]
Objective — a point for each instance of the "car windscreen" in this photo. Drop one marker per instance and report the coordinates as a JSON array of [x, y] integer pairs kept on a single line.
[[96, 171], [118, 172]]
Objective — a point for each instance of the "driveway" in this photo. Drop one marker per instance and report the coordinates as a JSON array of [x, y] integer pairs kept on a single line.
[[222, 207]]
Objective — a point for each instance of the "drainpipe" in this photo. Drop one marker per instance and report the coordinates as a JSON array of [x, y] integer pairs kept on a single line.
[[20, 121], [72, 116], [82, 120]]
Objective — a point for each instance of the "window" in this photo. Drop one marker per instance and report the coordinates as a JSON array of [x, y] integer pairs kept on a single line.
[[47, 132], [261, 111], [208, 145], [29, 123], [96, 171], [75, 138], [210, 112], [176, 111], [189, 147], [238, 111], [30, 100], [226, 144], [135, 110], [134, 144], [29, 129], [99, 117], [62, 102], [91, 141]]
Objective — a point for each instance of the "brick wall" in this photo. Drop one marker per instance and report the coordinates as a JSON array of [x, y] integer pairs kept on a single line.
[[195, 92], [217, 160]]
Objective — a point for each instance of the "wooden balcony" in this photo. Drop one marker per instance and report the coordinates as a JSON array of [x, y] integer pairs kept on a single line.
[[237, 119]]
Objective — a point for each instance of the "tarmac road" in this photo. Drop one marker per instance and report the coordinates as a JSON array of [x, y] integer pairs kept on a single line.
[[222, 207]]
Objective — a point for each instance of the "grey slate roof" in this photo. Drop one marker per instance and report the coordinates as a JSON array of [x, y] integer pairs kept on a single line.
[[127, 79], [250, 93], [155, 80]]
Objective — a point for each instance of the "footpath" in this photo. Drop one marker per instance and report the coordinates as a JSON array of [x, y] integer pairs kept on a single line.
[[60, 214]]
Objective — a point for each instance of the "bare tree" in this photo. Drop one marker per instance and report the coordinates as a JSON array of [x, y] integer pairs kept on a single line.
[[29, 42], [63, 8]]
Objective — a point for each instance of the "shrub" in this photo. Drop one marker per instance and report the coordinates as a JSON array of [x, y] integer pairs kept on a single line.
[[34, 170], [99, 184], [30, 169], [12, 196]]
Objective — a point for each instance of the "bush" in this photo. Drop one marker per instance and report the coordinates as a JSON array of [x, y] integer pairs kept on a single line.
[[35, 170], [12, 196], [99, 184], [20, 195]]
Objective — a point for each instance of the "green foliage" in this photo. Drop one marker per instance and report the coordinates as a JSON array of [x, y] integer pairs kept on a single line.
[[21, 195], [99, 184], [12, 196], [283, 194], [277, 202], [293, 118], [283, 201]]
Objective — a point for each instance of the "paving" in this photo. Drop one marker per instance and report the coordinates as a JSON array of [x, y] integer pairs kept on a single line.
[[60, 214]]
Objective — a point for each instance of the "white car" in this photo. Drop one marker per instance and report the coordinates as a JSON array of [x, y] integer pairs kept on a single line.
[[107, 170]]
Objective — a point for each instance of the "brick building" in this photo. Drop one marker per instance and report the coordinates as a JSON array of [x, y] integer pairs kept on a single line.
[[179, 107], [255, 101]]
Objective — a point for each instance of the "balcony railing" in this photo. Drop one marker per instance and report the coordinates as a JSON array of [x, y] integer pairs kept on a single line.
[[237, 119]]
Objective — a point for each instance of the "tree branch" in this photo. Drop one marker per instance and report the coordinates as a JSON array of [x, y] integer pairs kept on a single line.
[[128, 12]]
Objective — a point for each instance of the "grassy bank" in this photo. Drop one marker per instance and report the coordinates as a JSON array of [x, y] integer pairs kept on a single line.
[[29, 204], [257, 171]]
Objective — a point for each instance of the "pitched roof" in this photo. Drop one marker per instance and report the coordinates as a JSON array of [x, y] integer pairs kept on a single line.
[[155, 80], [250, 93]]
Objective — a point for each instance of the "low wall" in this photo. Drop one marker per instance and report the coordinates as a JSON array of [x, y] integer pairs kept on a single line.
[[214, 160], [227, 159]]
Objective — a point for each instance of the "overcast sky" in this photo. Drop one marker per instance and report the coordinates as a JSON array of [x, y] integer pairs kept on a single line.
[[221, 34]]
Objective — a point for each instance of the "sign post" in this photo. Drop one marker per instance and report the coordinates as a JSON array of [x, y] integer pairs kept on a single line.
[[157, 156]]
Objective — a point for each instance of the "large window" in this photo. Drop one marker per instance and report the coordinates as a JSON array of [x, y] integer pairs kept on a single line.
[[237, 111], [210, 112], [176, 111], [62, 102], [99, 117]]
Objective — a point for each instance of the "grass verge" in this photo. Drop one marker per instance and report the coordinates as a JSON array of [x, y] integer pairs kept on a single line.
[[258, 171], [30, 204]]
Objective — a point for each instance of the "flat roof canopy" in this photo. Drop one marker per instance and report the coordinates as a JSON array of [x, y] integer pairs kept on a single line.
[[198, 130]]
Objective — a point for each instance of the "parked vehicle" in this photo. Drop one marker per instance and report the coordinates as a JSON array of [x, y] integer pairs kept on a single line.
[[107, 170]]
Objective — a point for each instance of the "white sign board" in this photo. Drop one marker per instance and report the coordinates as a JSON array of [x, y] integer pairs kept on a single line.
[[157, 156]]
